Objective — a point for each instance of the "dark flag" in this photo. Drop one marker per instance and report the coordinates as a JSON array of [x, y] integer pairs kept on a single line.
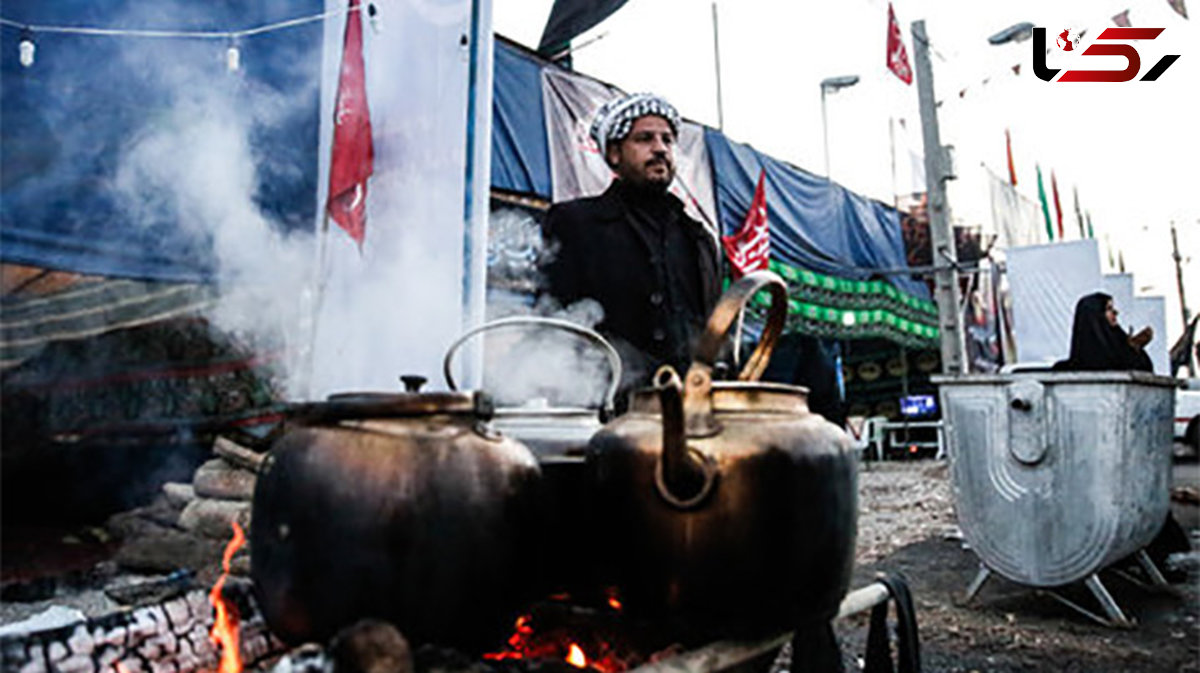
[[1182, 350], [353, 157], [569, 18]]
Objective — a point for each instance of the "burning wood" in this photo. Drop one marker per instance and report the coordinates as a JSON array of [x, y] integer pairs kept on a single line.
[[238, 455]]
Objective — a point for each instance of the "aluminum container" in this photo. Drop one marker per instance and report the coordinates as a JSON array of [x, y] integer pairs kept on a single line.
[[1057, 475]]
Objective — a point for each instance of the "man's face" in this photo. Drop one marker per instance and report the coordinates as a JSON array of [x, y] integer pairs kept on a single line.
[[646, 157]]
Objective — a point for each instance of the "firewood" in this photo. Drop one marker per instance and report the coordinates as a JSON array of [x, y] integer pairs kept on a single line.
[[238, 454], [220, 480], [213, 518]]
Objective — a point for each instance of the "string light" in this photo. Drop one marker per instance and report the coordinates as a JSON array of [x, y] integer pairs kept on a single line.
[[26, 48], [233, 58]]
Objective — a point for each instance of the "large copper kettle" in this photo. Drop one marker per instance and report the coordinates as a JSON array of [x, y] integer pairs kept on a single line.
[[407, 507], [726, 506]]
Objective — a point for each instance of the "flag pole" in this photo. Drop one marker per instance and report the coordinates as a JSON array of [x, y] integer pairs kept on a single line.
[[717, 63], [316, 300]]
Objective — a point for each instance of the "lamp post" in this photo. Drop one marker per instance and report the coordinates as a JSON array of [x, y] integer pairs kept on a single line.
[[1018, 32], [832, 84]]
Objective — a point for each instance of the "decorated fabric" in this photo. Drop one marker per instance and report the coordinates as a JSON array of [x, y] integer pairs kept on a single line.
[[839, 308], [615, 118]]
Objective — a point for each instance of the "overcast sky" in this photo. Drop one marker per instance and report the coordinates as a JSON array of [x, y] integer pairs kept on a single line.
[[1132, 149]]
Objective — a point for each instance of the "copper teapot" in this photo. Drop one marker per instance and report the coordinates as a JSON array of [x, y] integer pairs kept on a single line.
[[726, 506]]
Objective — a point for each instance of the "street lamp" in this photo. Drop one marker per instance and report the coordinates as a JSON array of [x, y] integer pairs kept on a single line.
[[1018, 32], [832, 84]]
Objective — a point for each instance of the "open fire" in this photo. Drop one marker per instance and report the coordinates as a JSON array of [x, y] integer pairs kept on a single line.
[[586, 638], [224, 633]]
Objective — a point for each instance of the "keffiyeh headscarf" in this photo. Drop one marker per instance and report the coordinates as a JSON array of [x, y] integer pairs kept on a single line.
[[615, 118]]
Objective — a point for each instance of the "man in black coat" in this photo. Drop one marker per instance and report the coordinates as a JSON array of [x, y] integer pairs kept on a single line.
[[652, 268]]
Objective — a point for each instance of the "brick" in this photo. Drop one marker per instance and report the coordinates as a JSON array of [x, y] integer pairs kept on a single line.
[[31, 666], [81, 642], [115, 637], [76, 664], [57, 652], [180, 615]]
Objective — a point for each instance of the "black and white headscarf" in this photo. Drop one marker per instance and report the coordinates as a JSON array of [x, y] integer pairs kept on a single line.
[[615, 118]]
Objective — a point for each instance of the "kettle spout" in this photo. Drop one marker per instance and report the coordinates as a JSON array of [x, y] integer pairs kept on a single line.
[[684, 476]]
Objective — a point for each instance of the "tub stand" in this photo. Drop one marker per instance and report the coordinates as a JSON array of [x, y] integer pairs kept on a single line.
[[1115, 616]]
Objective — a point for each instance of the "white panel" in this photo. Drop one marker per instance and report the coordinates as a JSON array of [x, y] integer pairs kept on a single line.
[[1046, 281], [1120, 287], [1152, 312]]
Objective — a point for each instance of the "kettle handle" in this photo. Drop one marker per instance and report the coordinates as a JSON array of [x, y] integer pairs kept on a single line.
[[726, 312], [614, 360]]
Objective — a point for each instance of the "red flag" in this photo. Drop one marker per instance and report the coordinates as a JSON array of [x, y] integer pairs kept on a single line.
[[1057, 204], [353, 156], [1122, 19], [750, 248], [897, 55], [1012, 171]]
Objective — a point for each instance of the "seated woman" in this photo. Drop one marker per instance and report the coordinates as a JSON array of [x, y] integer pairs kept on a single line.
[[1098, 343]]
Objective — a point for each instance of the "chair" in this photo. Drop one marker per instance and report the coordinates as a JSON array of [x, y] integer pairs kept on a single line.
[[867, 434]]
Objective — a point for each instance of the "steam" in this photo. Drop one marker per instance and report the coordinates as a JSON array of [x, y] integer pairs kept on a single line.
[[536, 364]]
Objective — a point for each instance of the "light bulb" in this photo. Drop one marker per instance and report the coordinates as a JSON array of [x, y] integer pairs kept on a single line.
[[27, 49], [233, 58]]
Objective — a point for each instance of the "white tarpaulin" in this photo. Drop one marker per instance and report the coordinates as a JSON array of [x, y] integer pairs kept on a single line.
[[1046, 281], [1151, 312], [1016, 219], [576, 167]]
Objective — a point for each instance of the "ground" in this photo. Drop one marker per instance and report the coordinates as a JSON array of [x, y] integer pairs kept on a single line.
[[907, 525]]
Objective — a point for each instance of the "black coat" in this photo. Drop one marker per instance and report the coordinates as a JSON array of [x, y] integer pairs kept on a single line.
[[598, 250]]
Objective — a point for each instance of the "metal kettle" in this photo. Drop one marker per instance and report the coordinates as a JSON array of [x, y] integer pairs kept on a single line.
[[726, 506], [402, 506], [558, 436]]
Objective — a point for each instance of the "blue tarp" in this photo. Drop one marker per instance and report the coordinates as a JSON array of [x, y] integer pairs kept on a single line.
[[520, 155], [71, 119], [815, 225]]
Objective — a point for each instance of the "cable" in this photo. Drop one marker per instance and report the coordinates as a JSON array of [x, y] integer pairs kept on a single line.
[[193, 34]]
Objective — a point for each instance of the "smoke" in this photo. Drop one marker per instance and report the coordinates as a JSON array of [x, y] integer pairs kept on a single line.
[[202, 161]]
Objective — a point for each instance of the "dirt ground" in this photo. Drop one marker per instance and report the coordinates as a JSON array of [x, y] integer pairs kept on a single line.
[[907, 525]]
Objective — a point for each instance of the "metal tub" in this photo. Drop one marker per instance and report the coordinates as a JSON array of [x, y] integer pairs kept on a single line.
[[1057, 475]]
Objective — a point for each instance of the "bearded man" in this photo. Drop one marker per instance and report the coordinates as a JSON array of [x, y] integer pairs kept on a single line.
[[652, 268]]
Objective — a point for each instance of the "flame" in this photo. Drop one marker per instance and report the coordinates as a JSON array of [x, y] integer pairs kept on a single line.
[[614, 601], [120, 667], [576, 657], [224, 631]]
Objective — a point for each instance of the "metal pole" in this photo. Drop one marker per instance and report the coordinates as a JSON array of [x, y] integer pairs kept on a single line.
[[717, 62], [892, 142], [937, 171], [825, 132], [1183, 308]]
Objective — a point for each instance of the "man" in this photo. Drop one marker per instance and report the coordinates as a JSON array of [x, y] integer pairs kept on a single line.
[[652, 268]]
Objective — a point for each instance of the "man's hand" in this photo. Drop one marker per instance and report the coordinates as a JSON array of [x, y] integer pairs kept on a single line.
[[1142, 338]]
